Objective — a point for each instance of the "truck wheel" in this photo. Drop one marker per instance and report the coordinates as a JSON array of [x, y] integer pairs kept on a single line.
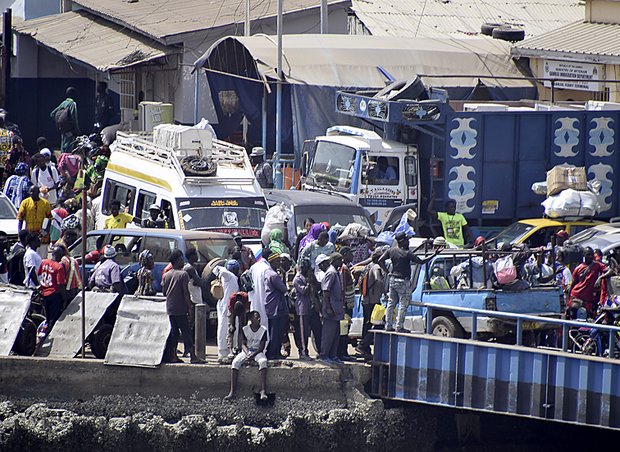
[[26, 338], [100, 339], [446, 327], [198, 166]]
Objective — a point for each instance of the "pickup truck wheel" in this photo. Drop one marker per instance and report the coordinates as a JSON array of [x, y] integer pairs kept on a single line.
[[446, 327], [26, 338]]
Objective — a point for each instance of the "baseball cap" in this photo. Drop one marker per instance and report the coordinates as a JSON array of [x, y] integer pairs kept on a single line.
[[257, 151], [154, 207], [335, 256], [439, 241], [45, 151], [479, 241]]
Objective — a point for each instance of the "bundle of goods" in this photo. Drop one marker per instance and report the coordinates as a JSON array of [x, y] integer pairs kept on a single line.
[[569, 194]]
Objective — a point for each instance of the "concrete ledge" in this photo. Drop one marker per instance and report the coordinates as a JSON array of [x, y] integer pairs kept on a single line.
[[70, 379]]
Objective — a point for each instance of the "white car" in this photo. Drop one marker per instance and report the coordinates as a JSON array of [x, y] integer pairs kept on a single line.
[[8, 218]]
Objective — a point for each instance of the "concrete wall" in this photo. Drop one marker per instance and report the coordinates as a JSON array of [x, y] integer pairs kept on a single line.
[[71, 379], [31, 9]]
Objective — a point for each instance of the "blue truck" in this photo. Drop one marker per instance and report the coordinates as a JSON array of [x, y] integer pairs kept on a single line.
[[542, 301], [485, 156]]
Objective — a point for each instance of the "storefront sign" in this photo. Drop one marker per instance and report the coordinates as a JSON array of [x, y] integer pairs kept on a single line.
[[573, 70]]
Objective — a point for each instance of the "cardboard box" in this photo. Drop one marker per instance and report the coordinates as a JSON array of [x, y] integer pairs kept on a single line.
[[561, 177]]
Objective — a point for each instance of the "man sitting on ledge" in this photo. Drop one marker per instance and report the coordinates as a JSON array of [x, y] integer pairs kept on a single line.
[[254, 344]]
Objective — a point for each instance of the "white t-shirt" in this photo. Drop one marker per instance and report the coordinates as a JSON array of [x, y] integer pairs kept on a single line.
[[46, 178], [254, 337], [32, 260]]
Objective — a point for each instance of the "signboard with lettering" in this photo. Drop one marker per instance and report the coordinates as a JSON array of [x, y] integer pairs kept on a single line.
[[581, 72]]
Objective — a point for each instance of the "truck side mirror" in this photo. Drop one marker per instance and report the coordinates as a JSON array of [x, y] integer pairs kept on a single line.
[[304, 164]]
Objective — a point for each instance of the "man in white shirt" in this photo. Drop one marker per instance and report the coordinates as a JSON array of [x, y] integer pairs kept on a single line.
[[32, 262], [45, 176], [230, 283]]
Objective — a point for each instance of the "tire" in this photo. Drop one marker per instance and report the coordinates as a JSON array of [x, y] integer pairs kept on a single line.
[[507, 33], [488, 27], [26, 338], [100, 339], [584, 345], [38, 319], [447, 327], [198, 166]]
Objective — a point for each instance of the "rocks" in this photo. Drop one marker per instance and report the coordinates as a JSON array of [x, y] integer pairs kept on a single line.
[[119, 424]]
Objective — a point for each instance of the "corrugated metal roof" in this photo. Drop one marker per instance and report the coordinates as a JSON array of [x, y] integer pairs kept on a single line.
[[163, 18], [441, 18], [92, 40], [594, 41]]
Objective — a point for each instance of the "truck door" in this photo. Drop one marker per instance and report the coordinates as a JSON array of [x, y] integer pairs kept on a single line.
[[380, 185]]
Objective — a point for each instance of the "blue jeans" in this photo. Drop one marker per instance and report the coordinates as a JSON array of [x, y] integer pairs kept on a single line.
[[400, 294], [330, 338]]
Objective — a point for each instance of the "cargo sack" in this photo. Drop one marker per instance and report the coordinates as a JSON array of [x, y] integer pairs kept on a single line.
[[505, 270], [571, 204], [63, 120]]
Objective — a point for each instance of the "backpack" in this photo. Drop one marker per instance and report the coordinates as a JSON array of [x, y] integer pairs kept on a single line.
[[15, 266], [246, 284], [63, 120], [505, 270]]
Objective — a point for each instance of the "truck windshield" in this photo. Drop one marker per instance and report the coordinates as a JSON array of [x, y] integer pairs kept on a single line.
[[332, 167], [336, 216], [245, 220]]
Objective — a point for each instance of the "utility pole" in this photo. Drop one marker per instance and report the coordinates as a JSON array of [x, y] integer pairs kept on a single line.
[[276, 160], [246, 27], [324, 20], [7, 51]]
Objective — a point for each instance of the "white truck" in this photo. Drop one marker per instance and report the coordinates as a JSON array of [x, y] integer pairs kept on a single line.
[[198, 181], [378, 174]]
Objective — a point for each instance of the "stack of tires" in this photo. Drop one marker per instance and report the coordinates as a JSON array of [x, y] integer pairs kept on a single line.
[[505, 32]]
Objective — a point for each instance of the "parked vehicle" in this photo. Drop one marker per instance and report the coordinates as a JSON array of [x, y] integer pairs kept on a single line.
[[543, 301], [485, 156], [537, 232], [338, 211], [8, 215], [605, 236], [201, 184]]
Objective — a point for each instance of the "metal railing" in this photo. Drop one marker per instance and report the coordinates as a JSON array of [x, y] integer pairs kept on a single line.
[[565, 325]]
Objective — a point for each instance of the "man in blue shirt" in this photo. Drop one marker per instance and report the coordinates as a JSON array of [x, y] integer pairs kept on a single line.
[[385, 173], [333, 307]]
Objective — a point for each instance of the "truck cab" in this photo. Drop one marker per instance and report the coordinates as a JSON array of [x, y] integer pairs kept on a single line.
[[378, 174]]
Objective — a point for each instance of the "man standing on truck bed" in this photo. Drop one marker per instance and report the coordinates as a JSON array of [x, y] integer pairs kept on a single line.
[[66, 119], [400, 280], [262, 169], [454, 225]]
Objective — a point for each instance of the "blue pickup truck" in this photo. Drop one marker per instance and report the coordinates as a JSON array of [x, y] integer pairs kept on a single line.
[[543, 301]]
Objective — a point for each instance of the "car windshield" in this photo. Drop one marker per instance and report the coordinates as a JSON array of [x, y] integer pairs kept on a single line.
[[209, 249], [245, 220], [336, 216], [332, 166], [7, 211], [513, 232], [587, 235]]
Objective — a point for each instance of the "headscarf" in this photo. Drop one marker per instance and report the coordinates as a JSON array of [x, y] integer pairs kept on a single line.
[[144, 257], [276, 242], [312, 235]]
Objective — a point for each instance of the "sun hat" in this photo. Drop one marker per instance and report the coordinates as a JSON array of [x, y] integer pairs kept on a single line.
[[320, 259], [109, 252]]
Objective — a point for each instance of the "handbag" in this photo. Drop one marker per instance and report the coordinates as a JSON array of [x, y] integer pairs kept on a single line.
[[217, 291], [377, 317]]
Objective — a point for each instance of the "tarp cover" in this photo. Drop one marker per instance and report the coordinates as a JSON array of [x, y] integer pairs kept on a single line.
[[316, 66]]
